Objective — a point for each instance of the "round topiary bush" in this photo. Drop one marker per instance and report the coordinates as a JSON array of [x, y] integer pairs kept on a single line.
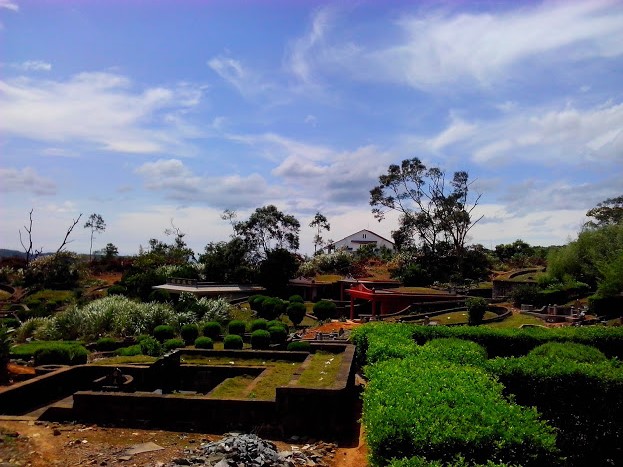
[[476, 309], [172, 344], [164, 332], [189, 333], [259, 324], [237, 327], [212, 330], [278, 334], [130, 351], [296, 299], [268, 311], [570, 351], [233, 342], [260, 339], [324, 310], [204, 343], [300, 346], [296, 312], [150, 346], [255, 302], [276, 322], [160, 296]]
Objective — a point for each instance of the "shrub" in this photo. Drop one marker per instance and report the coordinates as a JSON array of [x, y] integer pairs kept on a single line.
[[10, 323], [278, 334], [568, 351], [276, 322], [172, 344], [233, 342], [204, 343], [259, 324], [160, 296], [300, 346], [296, 312], [164, 332], [211, 329], [130, 351], [61, 354], [189, 332], [269, 308], [296, 299], [237, 327], [476, 309], [260, 339], [255, 302], [525, 294], [150, 346], [324, 310], [105, 344], [117, 290], [454, 350]]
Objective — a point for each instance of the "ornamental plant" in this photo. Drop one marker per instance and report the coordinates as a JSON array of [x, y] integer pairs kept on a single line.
[[260, 339], [233, 342], [204, 343]]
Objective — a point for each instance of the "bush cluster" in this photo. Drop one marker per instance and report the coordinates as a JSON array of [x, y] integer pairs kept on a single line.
[[324, 310], [204, 343], [51, 352], [260, 339], [189, 333], [299, 346], [233, 342], [172, 344], [164, 332], [237, 327], [211, 329]]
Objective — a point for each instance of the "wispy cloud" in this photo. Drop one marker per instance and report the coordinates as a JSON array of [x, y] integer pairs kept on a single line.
[[247, 82], [9, 5], [100, 109], [25, 180], [32, 65]]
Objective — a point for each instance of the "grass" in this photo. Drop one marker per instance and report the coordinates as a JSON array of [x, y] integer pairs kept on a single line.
[[232, 388], [276, 375], [138, 359], [420, 290], [330, 278], [322, 370], [458, 317], [515, 321], [4, 295], [28, 349]]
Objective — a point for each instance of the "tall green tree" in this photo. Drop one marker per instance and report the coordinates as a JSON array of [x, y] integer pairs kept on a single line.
[[267, 229], [433, 210], [96, 224], [320, 223], [608, 212], [228, 262]]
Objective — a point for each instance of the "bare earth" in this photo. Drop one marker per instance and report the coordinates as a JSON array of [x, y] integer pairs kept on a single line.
[[36, 444]]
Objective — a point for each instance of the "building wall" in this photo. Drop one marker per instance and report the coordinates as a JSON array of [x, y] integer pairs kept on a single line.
[[363, 237]]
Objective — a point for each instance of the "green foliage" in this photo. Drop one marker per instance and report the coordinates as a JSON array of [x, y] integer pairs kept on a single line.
[[204, 343], [296, 298], [130, 351], [237, 327], [296, 312], [228, 262], [476, 309], [440, 410], [204, 309], [339, 262], [458, 351], [60, 271], [276, 270], [160, 296], [568, 351], [278, 334], [608, 212], [164, 332], [211, 329], [299, 346], [269, 308], [233, 342], [105, 344], [459, 461], [60, 353], [255, 302], [117, 290], [278, 323], [525, 294], [45, 302], [189, 332], [150, 346], [260, 339], [172, 344], [259, 324], [6, 341], [324, 310], [378, 342]]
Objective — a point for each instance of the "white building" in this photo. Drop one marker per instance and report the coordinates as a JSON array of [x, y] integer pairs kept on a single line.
[[363, 237]]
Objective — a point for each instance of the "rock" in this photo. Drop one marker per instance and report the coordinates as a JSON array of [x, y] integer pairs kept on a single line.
[[56, 432]]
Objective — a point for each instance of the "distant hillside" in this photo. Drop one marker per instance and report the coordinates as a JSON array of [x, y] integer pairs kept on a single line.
[[4, 253]]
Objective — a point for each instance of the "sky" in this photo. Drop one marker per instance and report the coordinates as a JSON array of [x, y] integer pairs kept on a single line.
[[152, 113]]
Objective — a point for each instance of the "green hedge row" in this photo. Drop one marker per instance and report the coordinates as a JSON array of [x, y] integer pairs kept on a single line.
[[421, 406], [578, 391], [52, 352]]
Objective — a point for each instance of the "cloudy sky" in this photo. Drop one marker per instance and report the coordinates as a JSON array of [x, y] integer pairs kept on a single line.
[[148, 112]]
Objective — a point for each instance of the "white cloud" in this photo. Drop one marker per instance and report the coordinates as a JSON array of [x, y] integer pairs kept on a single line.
[[457, 131], [438, 48], [25, 180], [100, 109], [32, 65], [9, 5]]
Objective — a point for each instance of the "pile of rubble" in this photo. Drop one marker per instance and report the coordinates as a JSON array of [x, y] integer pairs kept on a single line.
[[242, 450]]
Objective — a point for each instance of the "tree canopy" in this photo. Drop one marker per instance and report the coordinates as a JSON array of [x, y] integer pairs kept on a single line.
[[608, 212]]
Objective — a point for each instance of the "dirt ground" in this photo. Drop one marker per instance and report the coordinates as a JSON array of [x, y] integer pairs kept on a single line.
[[42, 444]]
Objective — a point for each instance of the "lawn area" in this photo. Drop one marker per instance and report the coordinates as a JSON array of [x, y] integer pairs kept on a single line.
[[458, 317], [119, 360], [322, 370], [515, 321], [420, 290]]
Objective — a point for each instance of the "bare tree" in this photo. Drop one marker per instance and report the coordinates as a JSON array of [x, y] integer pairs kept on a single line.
[[96, 224], [68, 233], [320, 222], [30, 254], [230, 216]]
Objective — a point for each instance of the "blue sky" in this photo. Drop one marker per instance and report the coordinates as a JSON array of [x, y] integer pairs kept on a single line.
[[148, 112]]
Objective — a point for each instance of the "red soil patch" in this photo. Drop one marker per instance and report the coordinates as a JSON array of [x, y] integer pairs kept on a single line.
[[333, 326], [20, 369]]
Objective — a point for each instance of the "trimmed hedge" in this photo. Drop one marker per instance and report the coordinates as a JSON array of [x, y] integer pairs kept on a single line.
[[211, 329], [106, 344], [150, 346], [579, 353], [189, 332], [299, 346], [458, 462], [439, 410], [172, 344], [278, 334], [164, 332], [130, 351], [233, 342], [296, 312], [260, 339], [324, 310], [204, 343], [237, 327], [259, 324], [60, 354], [296, 299]]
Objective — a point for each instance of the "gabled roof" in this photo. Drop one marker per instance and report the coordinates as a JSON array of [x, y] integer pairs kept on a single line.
[[360, 231]]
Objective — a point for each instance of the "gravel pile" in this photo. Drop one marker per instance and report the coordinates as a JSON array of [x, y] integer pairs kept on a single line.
[[242, 450]]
